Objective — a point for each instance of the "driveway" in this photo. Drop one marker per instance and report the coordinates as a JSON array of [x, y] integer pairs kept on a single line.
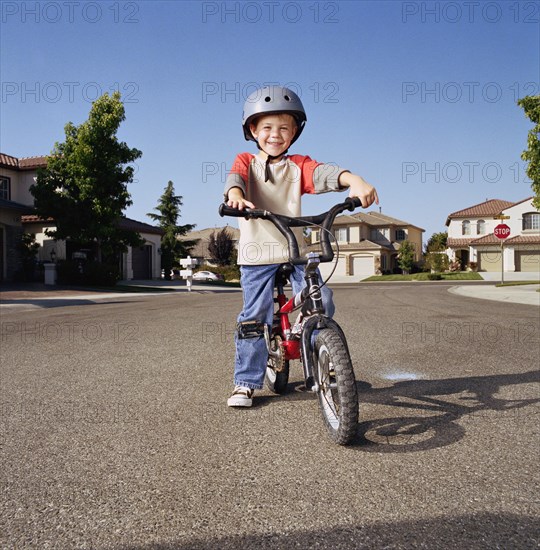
[[114, 431]]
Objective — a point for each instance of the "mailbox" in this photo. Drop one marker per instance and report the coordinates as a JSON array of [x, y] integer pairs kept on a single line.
[[187, 273]]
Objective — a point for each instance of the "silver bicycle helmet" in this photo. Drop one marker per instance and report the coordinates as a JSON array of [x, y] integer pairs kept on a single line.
[[273, 100]]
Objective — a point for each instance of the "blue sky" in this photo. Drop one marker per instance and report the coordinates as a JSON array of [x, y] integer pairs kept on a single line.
[[417, 97]]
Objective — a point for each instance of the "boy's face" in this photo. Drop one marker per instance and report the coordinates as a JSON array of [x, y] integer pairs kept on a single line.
[[274, 133]]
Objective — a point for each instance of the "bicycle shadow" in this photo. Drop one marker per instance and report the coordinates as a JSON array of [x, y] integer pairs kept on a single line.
[[436, 405]]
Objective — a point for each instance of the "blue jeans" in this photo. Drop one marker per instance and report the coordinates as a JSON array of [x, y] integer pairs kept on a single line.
[[258, 291]]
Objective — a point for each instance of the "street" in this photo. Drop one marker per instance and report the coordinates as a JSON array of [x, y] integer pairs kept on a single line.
[[114, 429]]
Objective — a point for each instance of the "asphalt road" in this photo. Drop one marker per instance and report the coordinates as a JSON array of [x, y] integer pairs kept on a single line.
[[114, 432]]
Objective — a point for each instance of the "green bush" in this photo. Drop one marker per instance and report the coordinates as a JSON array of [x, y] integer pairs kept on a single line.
[[438, 261], [434, 276]]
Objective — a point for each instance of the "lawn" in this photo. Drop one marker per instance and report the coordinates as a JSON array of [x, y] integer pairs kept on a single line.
[[457, 276]]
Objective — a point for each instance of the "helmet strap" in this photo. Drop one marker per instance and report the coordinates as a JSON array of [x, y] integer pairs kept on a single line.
[[267, 172]]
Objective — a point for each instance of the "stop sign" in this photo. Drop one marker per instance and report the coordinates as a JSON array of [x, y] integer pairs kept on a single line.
[[501, 231]]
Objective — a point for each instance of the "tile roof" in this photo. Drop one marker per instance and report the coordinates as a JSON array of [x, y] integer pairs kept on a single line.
[[490, 207], [9, 161], [524, 239], [25, 163], [34, 218], [28, 163], [452, 242], [486, 239]]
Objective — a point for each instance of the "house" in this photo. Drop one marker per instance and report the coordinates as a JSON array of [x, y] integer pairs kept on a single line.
[[17, 216], [202, 236], [369, 244], [16, 176], [471, 238]]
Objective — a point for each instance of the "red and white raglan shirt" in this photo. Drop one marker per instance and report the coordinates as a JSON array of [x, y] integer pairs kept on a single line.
[[261, 243]]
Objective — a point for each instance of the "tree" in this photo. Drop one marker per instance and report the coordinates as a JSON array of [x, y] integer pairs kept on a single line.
[[406, 256], [84, 186], [437, 242], [172, 249], [221, 247], [531, 106], [435, 257]]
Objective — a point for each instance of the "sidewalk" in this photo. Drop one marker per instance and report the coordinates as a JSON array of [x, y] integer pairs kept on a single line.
[[40, 295], [519, 294]]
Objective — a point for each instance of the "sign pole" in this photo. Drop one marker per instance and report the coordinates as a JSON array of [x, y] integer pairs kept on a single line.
[[502, 231], [502, 263]]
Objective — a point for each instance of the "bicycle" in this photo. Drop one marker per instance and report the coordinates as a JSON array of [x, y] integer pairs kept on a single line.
[[326, 360]]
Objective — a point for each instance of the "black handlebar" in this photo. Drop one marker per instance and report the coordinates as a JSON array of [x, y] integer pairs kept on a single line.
[[284, 223]]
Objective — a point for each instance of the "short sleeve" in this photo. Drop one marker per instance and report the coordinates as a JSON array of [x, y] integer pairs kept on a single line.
[[238, 176], [318, 177]]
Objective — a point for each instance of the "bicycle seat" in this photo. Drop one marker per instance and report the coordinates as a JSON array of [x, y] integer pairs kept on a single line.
[[283, 273]]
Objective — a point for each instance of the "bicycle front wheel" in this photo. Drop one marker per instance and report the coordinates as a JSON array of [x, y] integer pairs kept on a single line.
[[337, 393]]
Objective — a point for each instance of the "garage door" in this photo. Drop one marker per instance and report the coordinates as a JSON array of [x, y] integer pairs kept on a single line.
[[326, 268], [363, 267], [489, 260], [141, 259], [528, 261]]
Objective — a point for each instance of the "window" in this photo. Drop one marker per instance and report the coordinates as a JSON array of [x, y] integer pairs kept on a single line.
[[480, 227], [466, 227], [5, 188], [400, 235], [531, 221], [341, 234], [382, 234]]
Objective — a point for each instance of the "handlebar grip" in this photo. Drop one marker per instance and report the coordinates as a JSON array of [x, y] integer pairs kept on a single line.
[[355, 202], [225, 210]]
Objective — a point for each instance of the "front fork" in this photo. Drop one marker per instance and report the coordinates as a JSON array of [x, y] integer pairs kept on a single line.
[[313, 323]]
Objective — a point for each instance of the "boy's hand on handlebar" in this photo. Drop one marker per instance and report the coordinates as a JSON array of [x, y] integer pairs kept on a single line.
[[237, 200], [367, 196], [240, 204], [359, 187]]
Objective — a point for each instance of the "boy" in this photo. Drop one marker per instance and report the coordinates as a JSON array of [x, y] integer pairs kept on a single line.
[[273, 118]]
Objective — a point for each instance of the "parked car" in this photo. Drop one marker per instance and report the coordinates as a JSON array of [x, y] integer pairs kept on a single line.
[[207, 276]]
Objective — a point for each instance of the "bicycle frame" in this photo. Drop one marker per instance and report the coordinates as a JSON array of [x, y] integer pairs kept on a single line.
[[297, 339]]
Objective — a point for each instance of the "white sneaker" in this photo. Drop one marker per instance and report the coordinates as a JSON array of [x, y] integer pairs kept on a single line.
[[241, 397]]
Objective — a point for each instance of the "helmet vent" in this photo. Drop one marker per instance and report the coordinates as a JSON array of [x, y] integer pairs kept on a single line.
[[268, 98], [287, 98]]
